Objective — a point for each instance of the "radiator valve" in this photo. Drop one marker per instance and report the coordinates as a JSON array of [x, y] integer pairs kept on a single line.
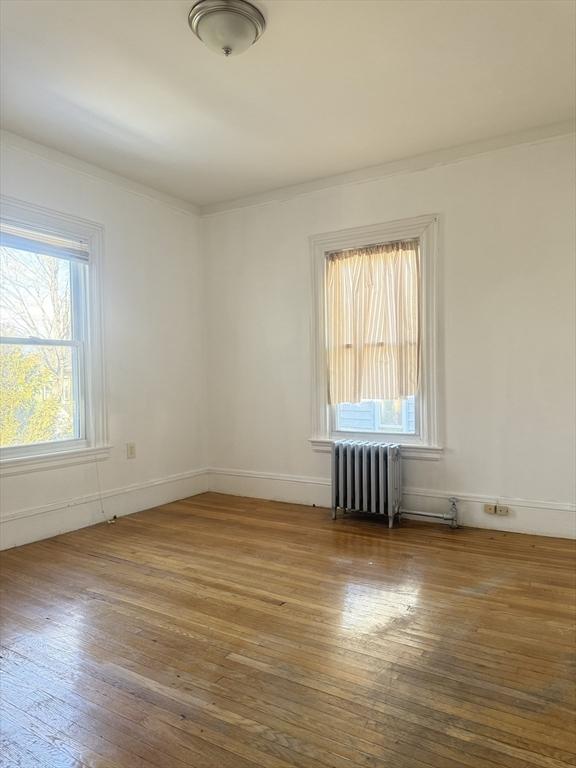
[[453, 515]]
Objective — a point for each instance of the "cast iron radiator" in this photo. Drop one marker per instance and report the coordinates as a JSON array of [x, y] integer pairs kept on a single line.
[[366, 477]]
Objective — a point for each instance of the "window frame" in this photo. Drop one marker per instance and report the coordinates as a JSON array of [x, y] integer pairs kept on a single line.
[[87, 339], [333, 417], [426, 443]]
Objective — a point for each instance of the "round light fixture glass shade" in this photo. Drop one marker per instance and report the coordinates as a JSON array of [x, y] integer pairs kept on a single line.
[[228, 27]]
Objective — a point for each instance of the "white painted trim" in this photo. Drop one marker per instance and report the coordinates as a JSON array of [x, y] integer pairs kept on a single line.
[[55, 157], [23, 465], [82, 511], [425, 228], [76, 501], [545, 518], [91, 333], [372, 173], [483, 499], [304, 479], [395, 167], [532, 516], [409, 452], [33, 451], [296, 489], [539, 517]]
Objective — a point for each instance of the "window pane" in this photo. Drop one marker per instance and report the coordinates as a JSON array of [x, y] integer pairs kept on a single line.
[[35, 295], [392, 416], [37, 394]]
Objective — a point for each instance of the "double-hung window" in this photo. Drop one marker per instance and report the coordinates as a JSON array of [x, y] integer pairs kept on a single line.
[[51, 395], [375, 338]]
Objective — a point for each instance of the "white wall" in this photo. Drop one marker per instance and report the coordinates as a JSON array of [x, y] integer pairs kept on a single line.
[[507, 325], [154, 332]]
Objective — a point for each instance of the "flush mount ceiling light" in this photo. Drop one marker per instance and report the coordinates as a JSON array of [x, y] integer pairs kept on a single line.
[[226, 26]]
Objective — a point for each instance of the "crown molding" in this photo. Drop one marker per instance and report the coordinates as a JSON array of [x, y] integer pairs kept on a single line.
[[363, 175], [405, 165], [54, 156]]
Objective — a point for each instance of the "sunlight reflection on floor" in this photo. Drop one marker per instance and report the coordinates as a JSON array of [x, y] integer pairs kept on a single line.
[[367, 609]]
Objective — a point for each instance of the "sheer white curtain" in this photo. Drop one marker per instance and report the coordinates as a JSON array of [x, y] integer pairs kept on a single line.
[[373, 323]]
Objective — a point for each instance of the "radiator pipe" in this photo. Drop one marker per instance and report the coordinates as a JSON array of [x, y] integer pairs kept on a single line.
[[450, 517]]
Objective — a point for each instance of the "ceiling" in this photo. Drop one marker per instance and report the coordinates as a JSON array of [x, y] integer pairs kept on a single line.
[[332, 86]]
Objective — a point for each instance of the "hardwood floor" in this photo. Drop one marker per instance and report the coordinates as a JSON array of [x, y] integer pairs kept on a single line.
[[227, 632]]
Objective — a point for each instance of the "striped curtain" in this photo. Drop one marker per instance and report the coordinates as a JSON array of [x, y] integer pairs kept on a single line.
[[373, 323]]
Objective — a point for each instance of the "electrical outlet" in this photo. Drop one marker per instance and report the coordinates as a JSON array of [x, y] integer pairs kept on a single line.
[[490, 509], [130, 450], [502, 510]]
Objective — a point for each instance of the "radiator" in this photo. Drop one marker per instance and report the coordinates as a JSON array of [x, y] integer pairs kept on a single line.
[[366, 477]]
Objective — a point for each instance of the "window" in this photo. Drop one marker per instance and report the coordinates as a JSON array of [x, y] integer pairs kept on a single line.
[[50, 360], [375, 335], [385, 416]]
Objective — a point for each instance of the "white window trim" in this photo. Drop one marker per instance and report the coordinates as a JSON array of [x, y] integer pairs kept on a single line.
[[95, 445], [427, 443]]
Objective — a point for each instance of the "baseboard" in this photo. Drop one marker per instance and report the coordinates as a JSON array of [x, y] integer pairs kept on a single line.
[[544, 518], [296, 489], [27, 525]]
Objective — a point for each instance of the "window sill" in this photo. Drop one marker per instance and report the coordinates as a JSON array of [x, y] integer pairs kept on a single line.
[[416, 452], [20, 465]]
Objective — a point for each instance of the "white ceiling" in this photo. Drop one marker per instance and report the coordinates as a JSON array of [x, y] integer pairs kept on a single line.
[[333, 85]]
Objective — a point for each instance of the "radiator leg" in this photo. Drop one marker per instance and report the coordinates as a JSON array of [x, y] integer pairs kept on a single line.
[[334, 513], [391, 520], [453, 512]]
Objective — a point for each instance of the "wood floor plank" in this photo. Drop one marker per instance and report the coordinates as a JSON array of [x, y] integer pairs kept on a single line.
[[227, 632]]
